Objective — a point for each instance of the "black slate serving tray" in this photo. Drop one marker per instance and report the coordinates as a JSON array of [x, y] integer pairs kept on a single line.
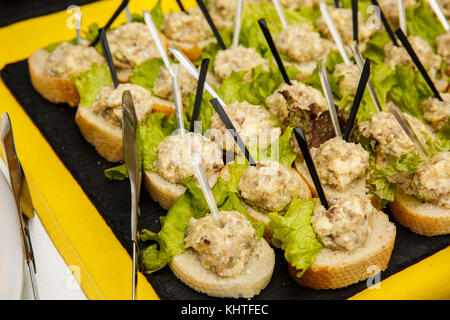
[[112, 200]]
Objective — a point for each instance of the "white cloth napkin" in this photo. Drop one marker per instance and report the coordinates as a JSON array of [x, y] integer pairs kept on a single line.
[[55, 280]]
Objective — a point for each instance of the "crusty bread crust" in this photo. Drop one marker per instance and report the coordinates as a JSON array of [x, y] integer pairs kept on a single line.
[[422, 218], [106, 138], [256, 276], [53, 89], [337, 269], [256, 214], [192, 51], [161, 190], [165, 192]]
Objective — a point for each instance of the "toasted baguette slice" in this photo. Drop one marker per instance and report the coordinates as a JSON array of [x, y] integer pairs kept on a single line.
[[161, 190], [165, 192], [105, 137], [358, 186], [53, 89], [334, 269], [422, 218], [255, 213], [256, 276], [192, 51]]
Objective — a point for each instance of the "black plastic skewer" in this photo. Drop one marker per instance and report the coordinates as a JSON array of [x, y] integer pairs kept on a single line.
[[365, 73], [111, 20], [227, 122], [199, 93], [416, 60], [108, 57], [202, 7], [336, 3], [386, 23], [180, 5], [301, 140], [355, 20], [265, 29]]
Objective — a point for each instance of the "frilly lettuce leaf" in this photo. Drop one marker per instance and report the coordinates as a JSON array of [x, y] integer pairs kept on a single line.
[[146, 73], [192, 204], [89, 83], [293, 233], [421, 21], [377, 182]]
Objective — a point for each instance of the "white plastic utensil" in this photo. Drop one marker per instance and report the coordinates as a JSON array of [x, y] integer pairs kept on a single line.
[[437, 10], [280, 12], [194, 72], [177, 98], [334, 33], [402, 16], [237, 22], [204, 184]]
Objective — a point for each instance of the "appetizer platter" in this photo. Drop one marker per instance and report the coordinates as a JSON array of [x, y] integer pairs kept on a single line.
[[288, 149]]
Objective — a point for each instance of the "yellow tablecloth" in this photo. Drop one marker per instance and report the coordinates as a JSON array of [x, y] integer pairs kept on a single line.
[[79, 232]]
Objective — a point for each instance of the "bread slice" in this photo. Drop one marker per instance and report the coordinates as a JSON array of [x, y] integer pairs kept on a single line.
[[334, 269], [53, 89], [192, 51], [165, 192], [422, 218], [161, 190], [256, 276], [358, 186], [105, 137], [255, 213]]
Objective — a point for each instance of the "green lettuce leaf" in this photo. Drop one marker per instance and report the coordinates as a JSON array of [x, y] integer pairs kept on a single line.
[[146, 73], [377, 182], [192, 204], [375, 47], [293, 233], [409, 91], [89, 83], [251, 35], [421, 21], [51, 47]]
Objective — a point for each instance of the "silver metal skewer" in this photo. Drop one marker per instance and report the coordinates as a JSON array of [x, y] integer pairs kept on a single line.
[[329, 96], [360, 63], [404, 123], [237, 22]]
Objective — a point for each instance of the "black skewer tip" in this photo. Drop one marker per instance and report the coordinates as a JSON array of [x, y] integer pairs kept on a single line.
[[180, 5], [386, 23], [405, 42], [199, 93], [202, 7], [265, 29], [355, 20], [301, 140], [111, 20], [227, 122], [365, 73], [108, 57]]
